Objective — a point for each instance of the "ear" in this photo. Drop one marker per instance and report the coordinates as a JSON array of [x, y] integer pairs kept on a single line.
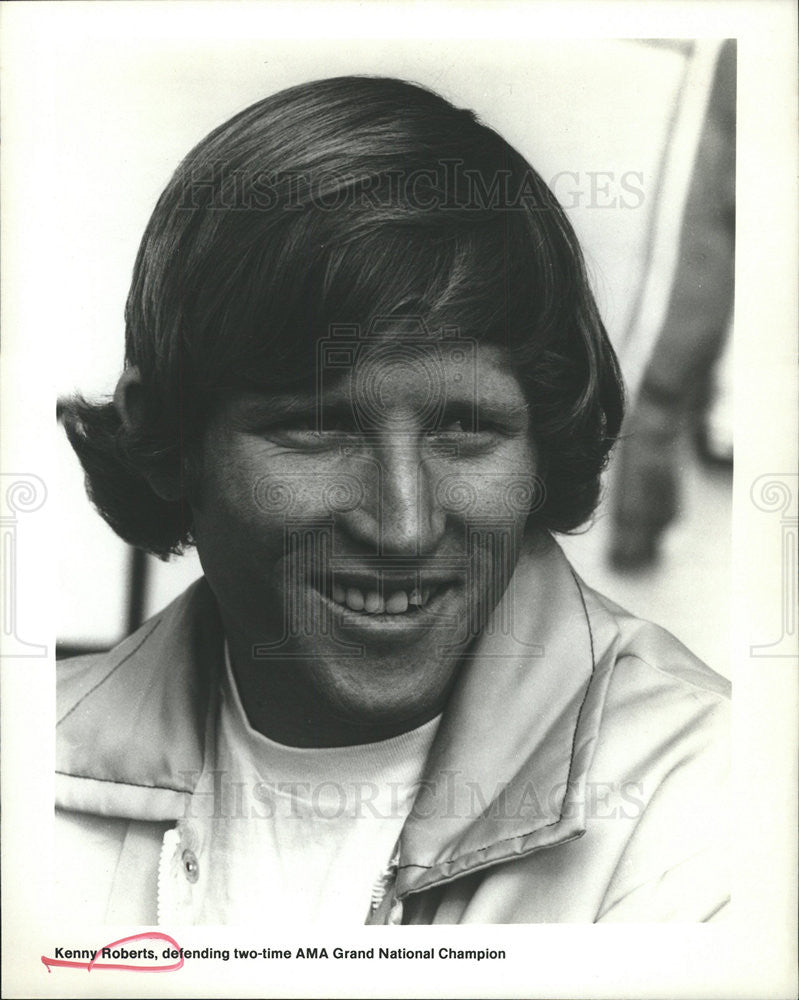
[[129, 403]]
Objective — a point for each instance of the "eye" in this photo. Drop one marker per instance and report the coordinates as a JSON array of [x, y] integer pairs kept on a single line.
[[311, 431], [462, 434], [302, 425], [338, 423], [463, 425], [458, 426]]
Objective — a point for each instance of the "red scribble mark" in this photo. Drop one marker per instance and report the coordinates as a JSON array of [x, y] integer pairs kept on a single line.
[[94, 964]]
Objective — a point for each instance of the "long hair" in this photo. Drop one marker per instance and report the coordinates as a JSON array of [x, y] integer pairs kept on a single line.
[[334, 202]]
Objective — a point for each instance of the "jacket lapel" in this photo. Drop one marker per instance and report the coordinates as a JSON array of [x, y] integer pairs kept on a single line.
[[507, 772]]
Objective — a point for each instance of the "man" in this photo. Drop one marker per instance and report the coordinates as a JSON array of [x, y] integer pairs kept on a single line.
[[366, 376]]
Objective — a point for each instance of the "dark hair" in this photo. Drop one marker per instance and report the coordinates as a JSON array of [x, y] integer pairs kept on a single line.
[[338, 201]]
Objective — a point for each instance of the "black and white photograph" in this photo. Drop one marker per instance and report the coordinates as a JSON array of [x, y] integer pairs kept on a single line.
[[390, 470]]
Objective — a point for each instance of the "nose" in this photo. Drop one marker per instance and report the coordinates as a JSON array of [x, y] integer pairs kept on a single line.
[[401, 516]]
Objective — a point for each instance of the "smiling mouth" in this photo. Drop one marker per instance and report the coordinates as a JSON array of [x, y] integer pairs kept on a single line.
[[380, 595]]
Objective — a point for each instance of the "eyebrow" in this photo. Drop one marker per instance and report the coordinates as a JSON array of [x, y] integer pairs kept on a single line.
[[258, 406], [284, 404], [252, 409]]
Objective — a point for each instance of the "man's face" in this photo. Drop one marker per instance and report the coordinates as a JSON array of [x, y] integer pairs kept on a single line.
[[361, 536]]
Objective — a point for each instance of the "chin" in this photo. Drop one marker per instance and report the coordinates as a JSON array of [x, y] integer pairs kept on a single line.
[[369, 695]]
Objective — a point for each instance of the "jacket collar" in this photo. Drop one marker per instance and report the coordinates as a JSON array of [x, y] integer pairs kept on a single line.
[[507, 772], [130, 734]]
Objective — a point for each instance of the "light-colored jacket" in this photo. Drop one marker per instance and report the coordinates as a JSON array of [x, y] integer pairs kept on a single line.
[[578, 773]]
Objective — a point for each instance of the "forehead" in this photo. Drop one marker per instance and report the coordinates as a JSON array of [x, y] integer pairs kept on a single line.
[[424, 377], [433, 372]]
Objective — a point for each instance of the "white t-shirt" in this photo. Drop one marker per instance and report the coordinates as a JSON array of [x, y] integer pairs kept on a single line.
[[306, 834]]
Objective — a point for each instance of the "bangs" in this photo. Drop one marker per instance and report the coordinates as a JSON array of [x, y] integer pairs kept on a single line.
[[467, 277]]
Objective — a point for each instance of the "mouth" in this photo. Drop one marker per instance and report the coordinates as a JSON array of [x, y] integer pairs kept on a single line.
[[387, 595]]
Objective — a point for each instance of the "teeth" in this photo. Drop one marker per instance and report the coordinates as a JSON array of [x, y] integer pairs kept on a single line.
[[372, 602], [354, 599], [397, 603]]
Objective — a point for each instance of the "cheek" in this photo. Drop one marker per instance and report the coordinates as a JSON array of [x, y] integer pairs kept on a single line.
[[268, 518], [308, 488], [501, 490], [237, 515]]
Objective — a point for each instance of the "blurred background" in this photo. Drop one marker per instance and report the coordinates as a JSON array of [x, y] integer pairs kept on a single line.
[[637, 140]]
